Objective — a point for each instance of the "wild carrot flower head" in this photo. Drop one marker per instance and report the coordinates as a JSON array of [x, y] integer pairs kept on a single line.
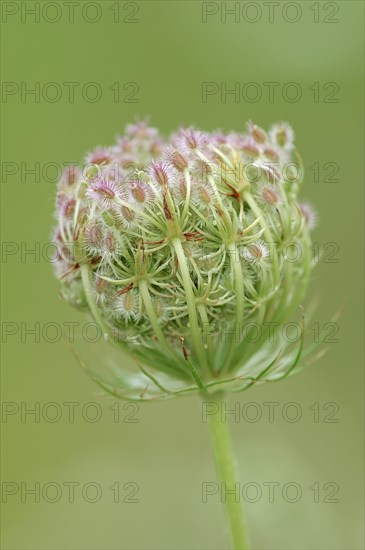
[[178, 249]]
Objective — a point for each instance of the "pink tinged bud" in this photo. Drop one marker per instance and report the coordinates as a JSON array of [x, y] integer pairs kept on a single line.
[[126, 305], [100, 155], [309, 214], [177, 160], [128, 214], [257, 133], [60, 200], [180, 187], [249, 146], [271, 153], [124, 145], [65, 270], [138, 191], [69, 208], [58, 262], [100, 285], [156, 148], [111, 247], [233, 140], [219, 138], [270, 195], [141, 130], [129, 163], [71, 175], [94, 236], [255, 252], [204, 194], [282, 134], [166, 208], [160, 173], [192, 139], [101, 290], [203, 169], [63, 252], [128, 301], [104, 192]]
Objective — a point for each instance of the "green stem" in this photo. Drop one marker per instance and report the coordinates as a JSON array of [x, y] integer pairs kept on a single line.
[[143, 287], [190, 300], [85, 277], [238, 282], [226, 471]]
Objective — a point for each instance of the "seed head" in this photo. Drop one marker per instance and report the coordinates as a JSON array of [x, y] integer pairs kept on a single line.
[[175, 251]]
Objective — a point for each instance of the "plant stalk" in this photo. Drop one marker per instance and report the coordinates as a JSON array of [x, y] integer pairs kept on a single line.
[[227, 475]]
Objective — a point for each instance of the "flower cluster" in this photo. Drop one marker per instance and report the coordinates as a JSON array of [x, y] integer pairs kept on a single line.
[[183, 249]]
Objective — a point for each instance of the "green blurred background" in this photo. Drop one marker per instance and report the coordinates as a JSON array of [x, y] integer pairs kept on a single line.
[[168, 52]]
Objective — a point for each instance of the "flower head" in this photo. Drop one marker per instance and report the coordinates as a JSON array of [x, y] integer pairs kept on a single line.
[[174, 242]]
